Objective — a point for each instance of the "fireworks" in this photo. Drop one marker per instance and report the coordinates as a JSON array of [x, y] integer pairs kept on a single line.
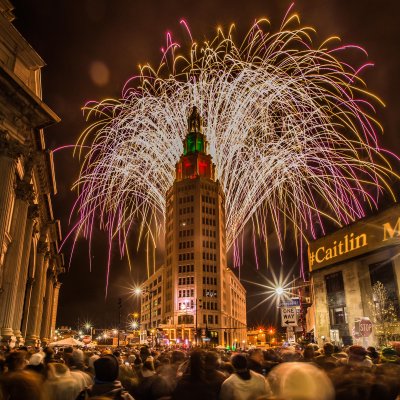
[[290, 127]]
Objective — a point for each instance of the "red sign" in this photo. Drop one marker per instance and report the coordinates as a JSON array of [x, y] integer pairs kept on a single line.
[[365, 327]]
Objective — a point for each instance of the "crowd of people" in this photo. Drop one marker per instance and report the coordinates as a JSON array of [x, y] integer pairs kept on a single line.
[[287, 373]]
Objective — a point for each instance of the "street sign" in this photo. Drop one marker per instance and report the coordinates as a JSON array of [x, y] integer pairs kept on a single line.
[[289, 316], [363, 327], [293, 302]]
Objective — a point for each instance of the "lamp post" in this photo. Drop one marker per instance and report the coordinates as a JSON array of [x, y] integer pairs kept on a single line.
[[197, 332]]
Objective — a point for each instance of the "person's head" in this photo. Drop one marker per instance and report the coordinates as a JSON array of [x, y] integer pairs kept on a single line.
[[144, 352], [357, 353], [106, 368], [196, 364], [178, 357], [300, 381], [22, 385], [16, 360], [308, 352], [239, 362], [256, 355], [328, 349], [211, 360]]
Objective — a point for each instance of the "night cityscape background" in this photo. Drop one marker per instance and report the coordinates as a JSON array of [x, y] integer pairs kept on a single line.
[[91, 48]]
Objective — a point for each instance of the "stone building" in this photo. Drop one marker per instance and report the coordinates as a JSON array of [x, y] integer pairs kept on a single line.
[[344, 267], [197, 289], [29, 233]]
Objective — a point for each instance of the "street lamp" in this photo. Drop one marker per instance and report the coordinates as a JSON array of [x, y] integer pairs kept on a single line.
[[279, 290]]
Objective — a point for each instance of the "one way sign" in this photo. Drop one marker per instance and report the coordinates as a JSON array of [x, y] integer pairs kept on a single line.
[[289, 316]]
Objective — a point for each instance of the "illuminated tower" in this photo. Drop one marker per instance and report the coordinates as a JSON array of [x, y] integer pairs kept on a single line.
[[198, 287]]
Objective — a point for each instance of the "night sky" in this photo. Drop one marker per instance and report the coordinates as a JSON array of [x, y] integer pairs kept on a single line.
[[91, 47]]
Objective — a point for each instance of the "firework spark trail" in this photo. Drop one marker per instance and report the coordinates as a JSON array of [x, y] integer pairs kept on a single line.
[[286, 127]]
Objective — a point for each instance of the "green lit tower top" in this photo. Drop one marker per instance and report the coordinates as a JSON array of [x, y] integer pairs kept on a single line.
[[195, 160]]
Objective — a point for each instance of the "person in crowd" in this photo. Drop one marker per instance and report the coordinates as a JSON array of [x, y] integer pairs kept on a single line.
[[300, 381], [77, 368], [60, 385], [244, 384], [256, 360], [106, 383], [213, 376], [373, 355], [22, 385], [357, 357], [36, 363], [327, 360], [308, 353], [16, 361], [193, 385]]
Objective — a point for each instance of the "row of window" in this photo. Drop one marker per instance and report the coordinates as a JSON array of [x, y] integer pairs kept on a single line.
[[208, 199], [209, 281], [186, 232], [186, 281], [185, 319], [210, 305], [186, 305], [209, 268], [208, 221], [209, 293], [210, 319], [209, 232], [186, 256], [186, 245], [185, 268], [208, 244], [208, 210], [185, 188], [186, 210], [209, 256], [186, 221], [186, 199], [186, 293]]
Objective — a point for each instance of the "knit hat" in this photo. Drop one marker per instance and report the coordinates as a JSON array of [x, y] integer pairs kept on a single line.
[[36, 359], [356, 350], [389, 355], [106, 368]]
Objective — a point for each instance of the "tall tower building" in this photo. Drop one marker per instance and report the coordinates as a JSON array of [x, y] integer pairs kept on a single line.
[[198, 289]]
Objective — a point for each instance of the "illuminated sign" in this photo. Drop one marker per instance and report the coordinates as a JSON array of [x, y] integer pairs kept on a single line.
[[359, 238]]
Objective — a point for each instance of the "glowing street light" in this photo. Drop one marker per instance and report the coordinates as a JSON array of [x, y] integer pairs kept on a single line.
[[279, 290]]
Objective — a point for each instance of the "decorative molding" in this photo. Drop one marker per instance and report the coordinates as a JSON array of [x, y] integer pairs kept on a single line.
[[42, 246], [33, 212], [9, 147], [24, 191]]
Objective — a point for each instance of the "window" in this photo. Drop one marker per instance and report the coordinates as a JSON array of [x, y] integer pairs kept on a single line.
[[383, 272], [336, 298]]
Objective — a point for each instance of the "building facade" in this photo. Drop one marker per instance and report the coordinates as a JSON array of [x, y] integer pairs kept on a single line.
[[29, 233], [345, 266], [202, 299]]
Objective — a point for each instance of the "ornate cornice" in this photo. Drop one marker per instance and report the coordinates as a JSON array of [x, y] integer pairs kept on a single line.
[[42, 246], [33, 211], [24, 191], [9, 147]]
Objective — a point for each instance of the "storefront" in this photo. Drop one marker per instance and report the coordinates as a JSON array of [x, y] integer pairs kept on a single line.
[[345, 267]]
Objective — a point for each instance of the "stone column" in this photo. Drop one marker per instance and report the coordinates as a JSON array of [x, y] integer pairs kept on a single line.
[[9, 152], [22, 289], [12, 264], [36, 301], [56, 293], [47, 309]]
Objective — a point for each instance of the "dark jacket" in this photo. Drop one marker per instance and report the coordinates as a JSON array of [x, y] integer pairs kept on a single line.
[[113, 390]]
